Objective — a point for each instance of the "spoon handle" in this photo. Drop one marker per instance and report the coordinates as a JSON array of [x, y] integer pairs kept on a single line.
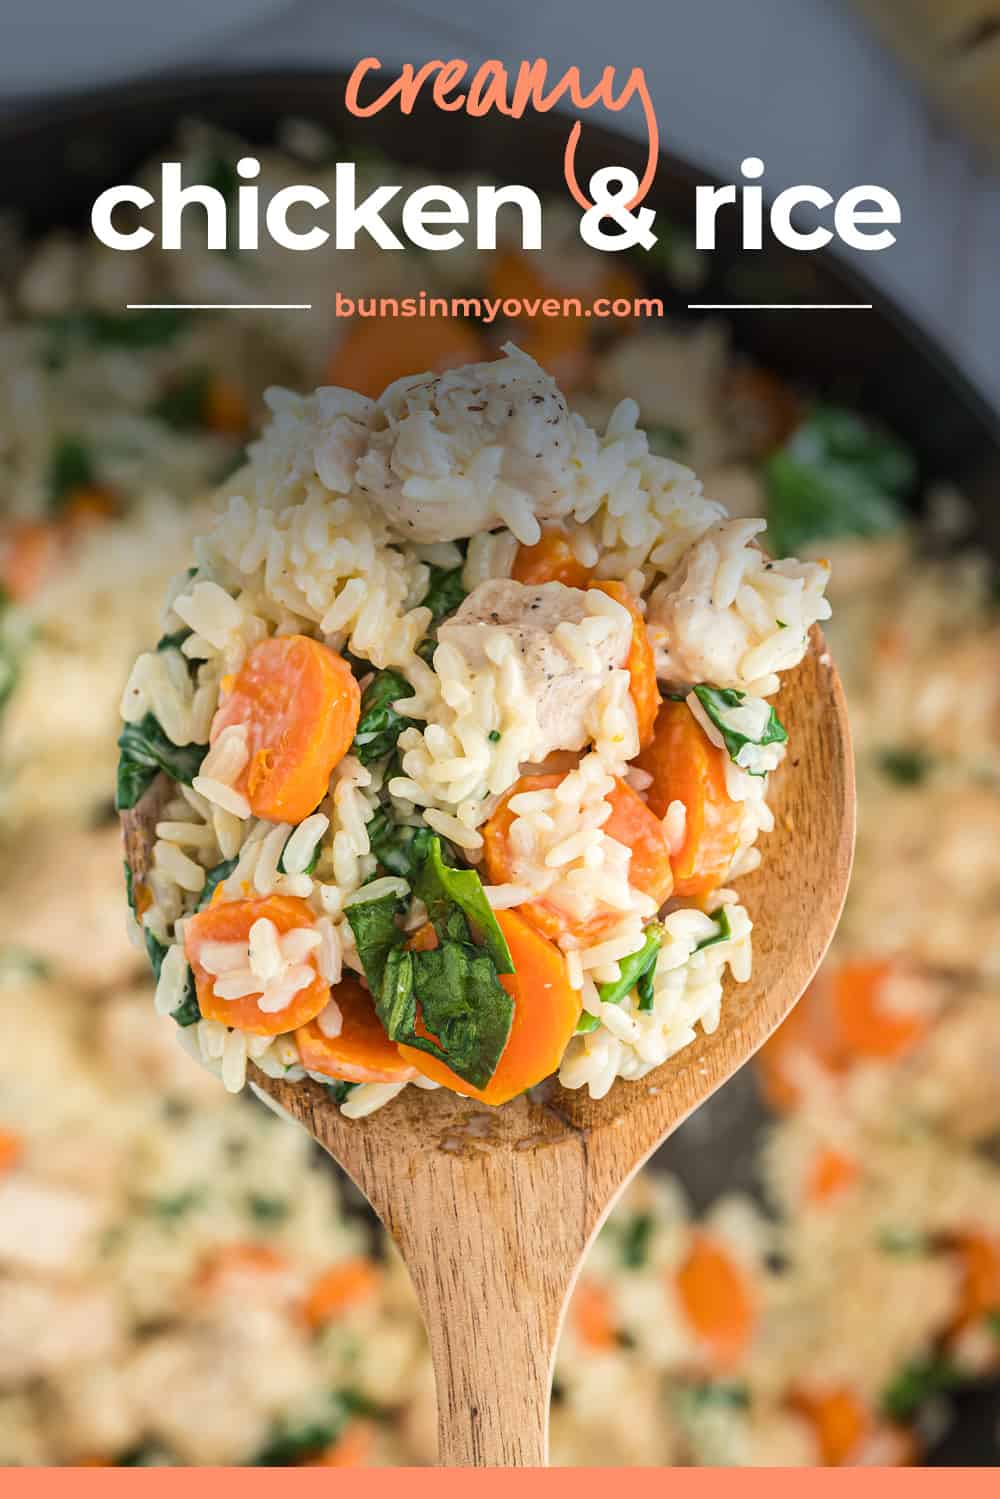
[[493, 1241]]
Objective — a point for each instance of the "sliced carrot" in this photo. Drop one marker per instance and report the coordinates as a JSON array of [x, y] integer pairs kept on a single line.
[[592, 1316], [225, 410], [353, 1449], [773, 406], [868, 1028], [29, 550], [88, 505], [362, 1053], [546, 1011], [550, 560], [11, 1148], [979, 1258], [230, 921], [840, 1420], [229, 1265], [561, 345], [687, 767], [378, 351], [640, 663], [717, 1299], [300, 702], [830, 1174], [338, 1289], [424, 939], [631, 822], [808, 1032]]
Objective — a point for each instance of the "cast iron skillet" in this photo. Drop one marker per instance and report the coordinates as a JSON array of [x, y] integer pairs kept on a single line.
[[53, 164]]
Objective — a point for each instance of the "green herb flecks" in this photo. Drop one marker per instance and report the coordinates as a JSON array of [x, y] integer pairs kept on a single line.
[[147, 328], [906, 1243], [341, 1091], [635, 1241], [268, 1211], [398, 848], [145, 751], [907, 767], [916, 1384], [836, 476], [173, 1208], [379, 725], [718, 704], [635, 972], [444, 592], [215, 877], [70, 467], [723, 930], [182, 405]]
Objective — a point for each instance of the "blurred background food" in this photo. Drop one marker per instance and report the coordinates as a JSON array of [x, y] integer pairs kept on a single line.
[[181, 1280], [954, 49]]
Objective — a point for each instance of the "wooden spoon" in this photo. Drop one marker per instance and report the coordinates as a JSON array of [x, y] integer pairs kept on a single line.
[[494, 1209]]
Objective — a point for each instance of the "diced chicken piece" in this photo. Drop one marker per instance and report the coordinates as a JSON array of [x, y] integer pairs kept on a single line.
[[478, 447], [72, 884], [47, 1329], [210, 1393], [566, 641], [696, 640], [44, 1227]]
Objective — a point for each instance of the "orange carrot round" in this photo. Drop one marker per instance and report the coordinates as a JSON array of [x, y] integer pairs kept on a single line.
[[11, 1148], [807, 1032], [687, 767], [631, 822], [225, 409], [29, 550], [592, 1316], [300, 702], [378, 351], [338, 1289], [717, 1299], [546, 1010], [550, 560], [640, 663], [979, 1258], [830, 1173], [840, 1420], [867, 1027], [230, 921], [352, 1449], [362, 1053], [231, 1264]]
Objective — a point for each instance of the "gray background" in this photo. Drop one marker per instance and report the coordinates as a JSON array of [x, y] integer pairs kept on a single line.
[[798, 82]]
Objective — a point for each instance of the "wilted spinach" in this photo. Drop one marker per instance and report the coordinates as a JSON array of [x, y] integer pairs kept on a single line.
[[145, 751]]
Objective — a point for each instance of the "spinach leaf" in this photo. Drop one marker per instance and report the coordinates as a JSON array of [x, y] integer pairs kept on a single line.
[[635, 1241], [665, 440], [915, 1384], [908, 1243], [723, 933], [464, 1014], [379, 725], [188, 1011], [636, 972], [717, 702], [70, 467], [148, 328], [171, 1209], [440, 887], [907, 767], [145, 751], [20, 963], [836, 476], [376, 935], [13, 639], [267, 1210], [399, 849], [182, 405], [340, 1091], [729, 1394], [146, 1456], [444, 592], [173, 642], [314, 860], [213, 879]]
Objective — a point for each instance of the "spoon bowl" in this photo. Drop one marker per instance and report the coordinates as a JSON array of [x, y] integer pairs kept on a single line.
[[493, 1209]]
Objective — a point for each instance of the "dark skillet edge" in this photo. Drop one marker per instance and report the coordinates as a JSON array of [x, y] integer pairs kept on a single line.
[[934, 405]]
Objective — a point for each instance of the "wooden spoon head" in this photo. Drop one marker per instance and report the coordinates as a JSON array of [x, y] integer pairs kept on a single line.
[[795, 899]]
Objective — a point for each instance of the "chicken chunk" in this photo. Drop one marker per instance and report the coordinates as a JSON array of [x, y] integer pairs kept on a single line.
[[71, 885], [42, 1226], [567, 642], [483, 446]]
